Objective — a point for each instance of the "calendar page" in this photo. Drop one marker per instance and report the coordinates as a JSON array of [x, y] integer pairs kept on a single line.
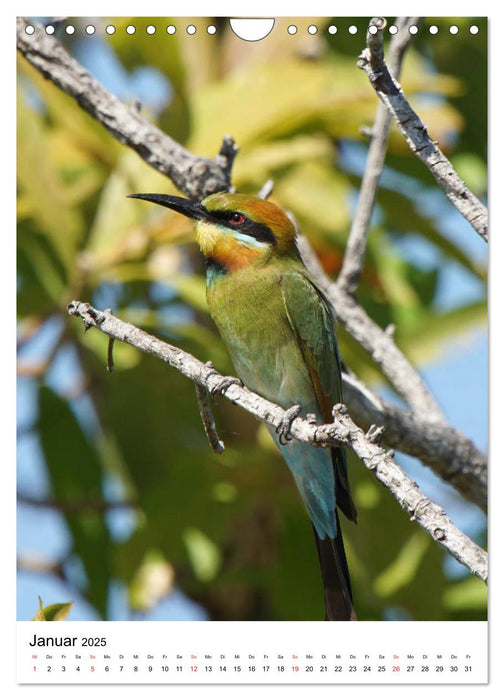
[[252, 354]]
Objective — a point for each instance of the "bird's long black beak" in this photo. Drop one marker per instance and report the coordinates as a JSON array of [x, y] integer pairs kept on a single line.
[[187, 207]]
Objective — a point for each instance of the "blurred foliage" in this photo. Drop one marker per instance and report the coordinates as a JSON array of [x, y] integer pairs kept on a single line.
[[230, 531]]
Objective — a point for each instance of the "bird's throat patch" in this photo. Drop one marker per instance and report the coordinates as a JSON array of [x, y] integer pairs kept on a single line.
[[228, 249]]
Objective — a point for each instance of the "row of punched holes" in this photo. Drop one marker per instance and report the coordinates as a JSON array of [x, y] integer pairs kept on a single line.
[[90, 29]]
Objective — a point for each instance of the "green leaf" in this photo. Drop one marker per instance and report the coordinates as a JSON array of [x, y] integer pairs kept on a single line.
[[114, 215], [403, 569], [256, 165], [468, 58], [40, 277], [53, 613], [264, 101], [469, 594], [76, 477], [40, 615], [318, 196], [391, 270], [86, 134], [204, 555], [42, 188], [151, 410], [472, 169], [152, 581], [190, 288]]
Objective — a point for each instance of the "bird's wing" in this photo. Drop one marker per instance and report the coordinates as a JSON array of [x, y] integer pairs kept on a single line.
[[312, 322]]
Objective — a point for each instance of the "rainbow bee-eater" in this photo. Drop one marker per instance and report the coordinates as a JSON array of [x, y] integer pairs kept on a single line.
[[280, 332]]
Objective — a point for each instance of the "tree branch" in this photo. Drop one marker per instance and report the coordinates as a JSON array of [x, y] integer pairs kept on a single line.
[[430, 516], [415, 132], [76, 507], [449, 453], [353, 259], [193, 175], [342, 432], [36, 565]]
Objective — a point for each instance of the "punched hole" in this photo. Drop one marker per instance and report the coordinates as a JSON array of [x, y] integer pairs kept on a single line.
[[251, 29]]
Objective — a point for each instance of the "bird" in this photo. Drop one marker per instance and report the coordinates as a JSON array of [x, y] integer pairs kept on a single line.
[[279, 329]]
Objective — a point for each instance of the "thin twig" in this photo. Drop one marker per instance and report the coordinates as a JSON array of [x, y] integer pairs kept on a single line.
[[417, 137], [266, 190], [342, 432], [353, 260], [207, 419], [36, 565], [110, 356], [76, 507]]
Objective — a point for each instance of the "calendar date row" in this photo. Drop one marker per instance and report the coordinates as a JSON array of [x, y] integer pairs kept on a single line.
[[282, 668]]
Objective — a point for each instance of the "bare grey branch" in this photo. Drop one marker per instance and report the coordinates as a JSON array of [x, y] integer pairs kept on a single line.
[[417, 137], [422, 510], [449, 453], [193, 175], [353, 259]]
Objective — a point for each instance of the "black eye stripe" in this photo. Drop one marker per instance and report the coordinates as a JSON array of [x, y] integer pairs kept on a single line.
[[260, 232]]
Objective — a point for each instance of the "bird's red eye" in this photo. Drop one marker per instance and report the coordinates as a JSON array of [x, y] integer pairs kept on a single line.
[[237, 218]]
